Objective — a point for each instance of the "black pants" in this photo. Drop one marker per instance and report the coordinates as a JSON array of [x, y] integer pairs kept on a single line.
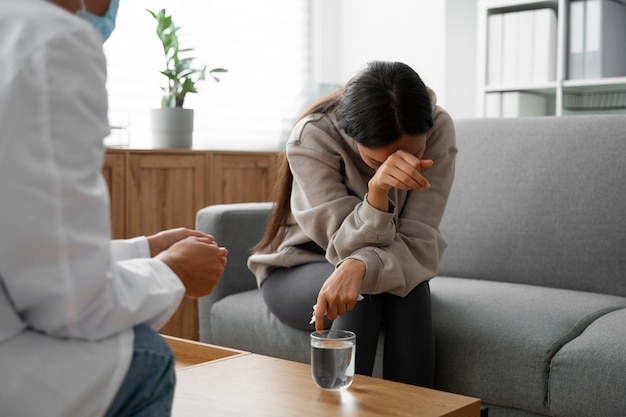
[[409, 345]]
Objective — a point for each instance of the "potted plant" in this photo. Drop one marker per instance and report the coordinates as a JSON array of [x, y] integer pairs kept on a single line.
[[172, 125]]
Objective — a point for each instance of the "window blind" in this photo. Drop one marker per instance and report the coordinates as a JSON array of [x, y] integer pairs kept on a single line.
[[265, 46]]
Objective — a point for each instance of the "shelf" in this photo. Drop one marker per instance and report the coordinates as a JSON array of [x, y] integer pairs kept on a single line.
[[596, 82], [563, 96], [546, 89], [505, 6], [609, 99], [607, 95]]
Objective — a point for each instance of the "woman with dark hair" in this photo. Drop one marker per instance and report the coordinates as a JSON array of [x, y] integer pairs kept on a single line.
[[363, 185]]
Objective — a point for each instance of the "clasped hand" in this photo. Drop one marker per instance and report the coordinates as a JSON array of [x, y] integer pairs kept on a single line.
[[194, 257]]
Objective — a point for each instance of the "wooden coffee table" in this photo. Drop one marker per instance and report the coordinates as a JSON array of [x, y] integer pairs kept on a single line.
[[216, 381]]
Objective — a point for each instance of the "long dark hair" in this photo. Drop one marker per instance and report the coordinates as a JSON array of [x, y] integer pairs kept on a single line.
[[376, 107]]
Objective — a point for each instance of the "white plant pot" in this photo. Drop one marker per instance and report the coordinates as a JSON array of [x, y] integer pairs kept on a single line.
[[171, 127]]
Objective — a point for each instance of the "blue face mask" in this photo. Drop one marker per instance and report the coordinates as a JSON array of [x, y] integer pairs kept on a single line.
[[103, 24]]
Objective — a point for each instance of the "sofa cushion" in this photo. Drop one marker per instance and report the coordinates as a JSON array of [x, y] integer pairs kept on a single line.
[[588, 374], [496, 340], [243, 321]]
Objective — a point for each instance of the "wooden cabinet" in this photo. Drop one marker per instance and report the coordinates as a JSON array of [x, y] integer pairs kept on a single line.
[[241, 177], [164, 191], [153, 190], [113, 171]]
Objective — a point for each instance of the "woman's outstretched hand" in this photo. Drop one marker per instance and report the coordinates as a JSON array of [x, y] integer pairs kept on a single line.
[[340, 292]]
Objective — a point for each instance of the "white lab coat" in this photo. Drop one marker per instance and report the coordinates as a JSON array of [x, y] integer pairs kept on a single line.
[[69, 297]]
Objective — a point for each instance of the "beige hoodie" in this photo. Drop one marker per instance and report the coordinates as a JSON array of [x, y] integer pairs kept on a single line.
[[401, 248]]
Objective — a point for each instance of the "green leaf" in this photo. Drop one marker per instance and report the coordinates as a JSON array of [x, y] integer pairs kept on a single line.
[[181, 76]]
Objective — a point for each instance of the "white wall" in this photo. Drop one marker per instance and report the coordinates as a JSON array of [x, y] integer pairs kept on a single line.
[[461, 88], [435, 37]]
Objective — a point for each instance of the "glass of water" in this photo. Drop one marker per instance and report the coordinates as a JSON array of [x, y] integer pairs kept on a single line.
[[332, 359]]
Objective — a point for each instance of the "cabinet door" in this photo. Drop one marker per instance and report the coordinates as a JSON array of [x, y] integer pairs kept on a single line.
[[164, 191], [113, 172], [241, 177]]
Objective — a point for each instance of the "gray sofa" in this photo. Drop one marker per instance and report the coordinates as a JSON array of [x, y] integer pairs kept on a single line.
[[530, 303]]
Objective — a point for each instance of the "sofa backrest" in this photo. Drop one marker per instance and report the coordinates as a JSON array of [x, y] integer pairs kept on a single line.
[[539, 201], [238, 227]]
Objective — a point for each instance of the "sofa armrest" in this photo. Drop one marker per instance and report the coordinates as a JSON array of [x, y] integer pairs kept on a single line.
[[238, 227]]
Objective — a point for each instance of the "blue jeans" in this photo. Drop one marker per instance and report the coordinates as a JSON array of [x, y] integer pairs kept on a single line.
[[148, 388]]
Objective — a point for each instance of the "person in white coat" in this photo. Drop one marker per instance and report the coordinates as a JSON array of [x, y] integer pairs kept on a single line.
[[78, 311]]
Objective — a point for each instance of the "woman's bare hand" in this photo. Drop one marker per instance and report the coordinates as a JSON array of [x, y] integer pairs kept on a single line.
[[403, 171], [340, 292], [400, 170]]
